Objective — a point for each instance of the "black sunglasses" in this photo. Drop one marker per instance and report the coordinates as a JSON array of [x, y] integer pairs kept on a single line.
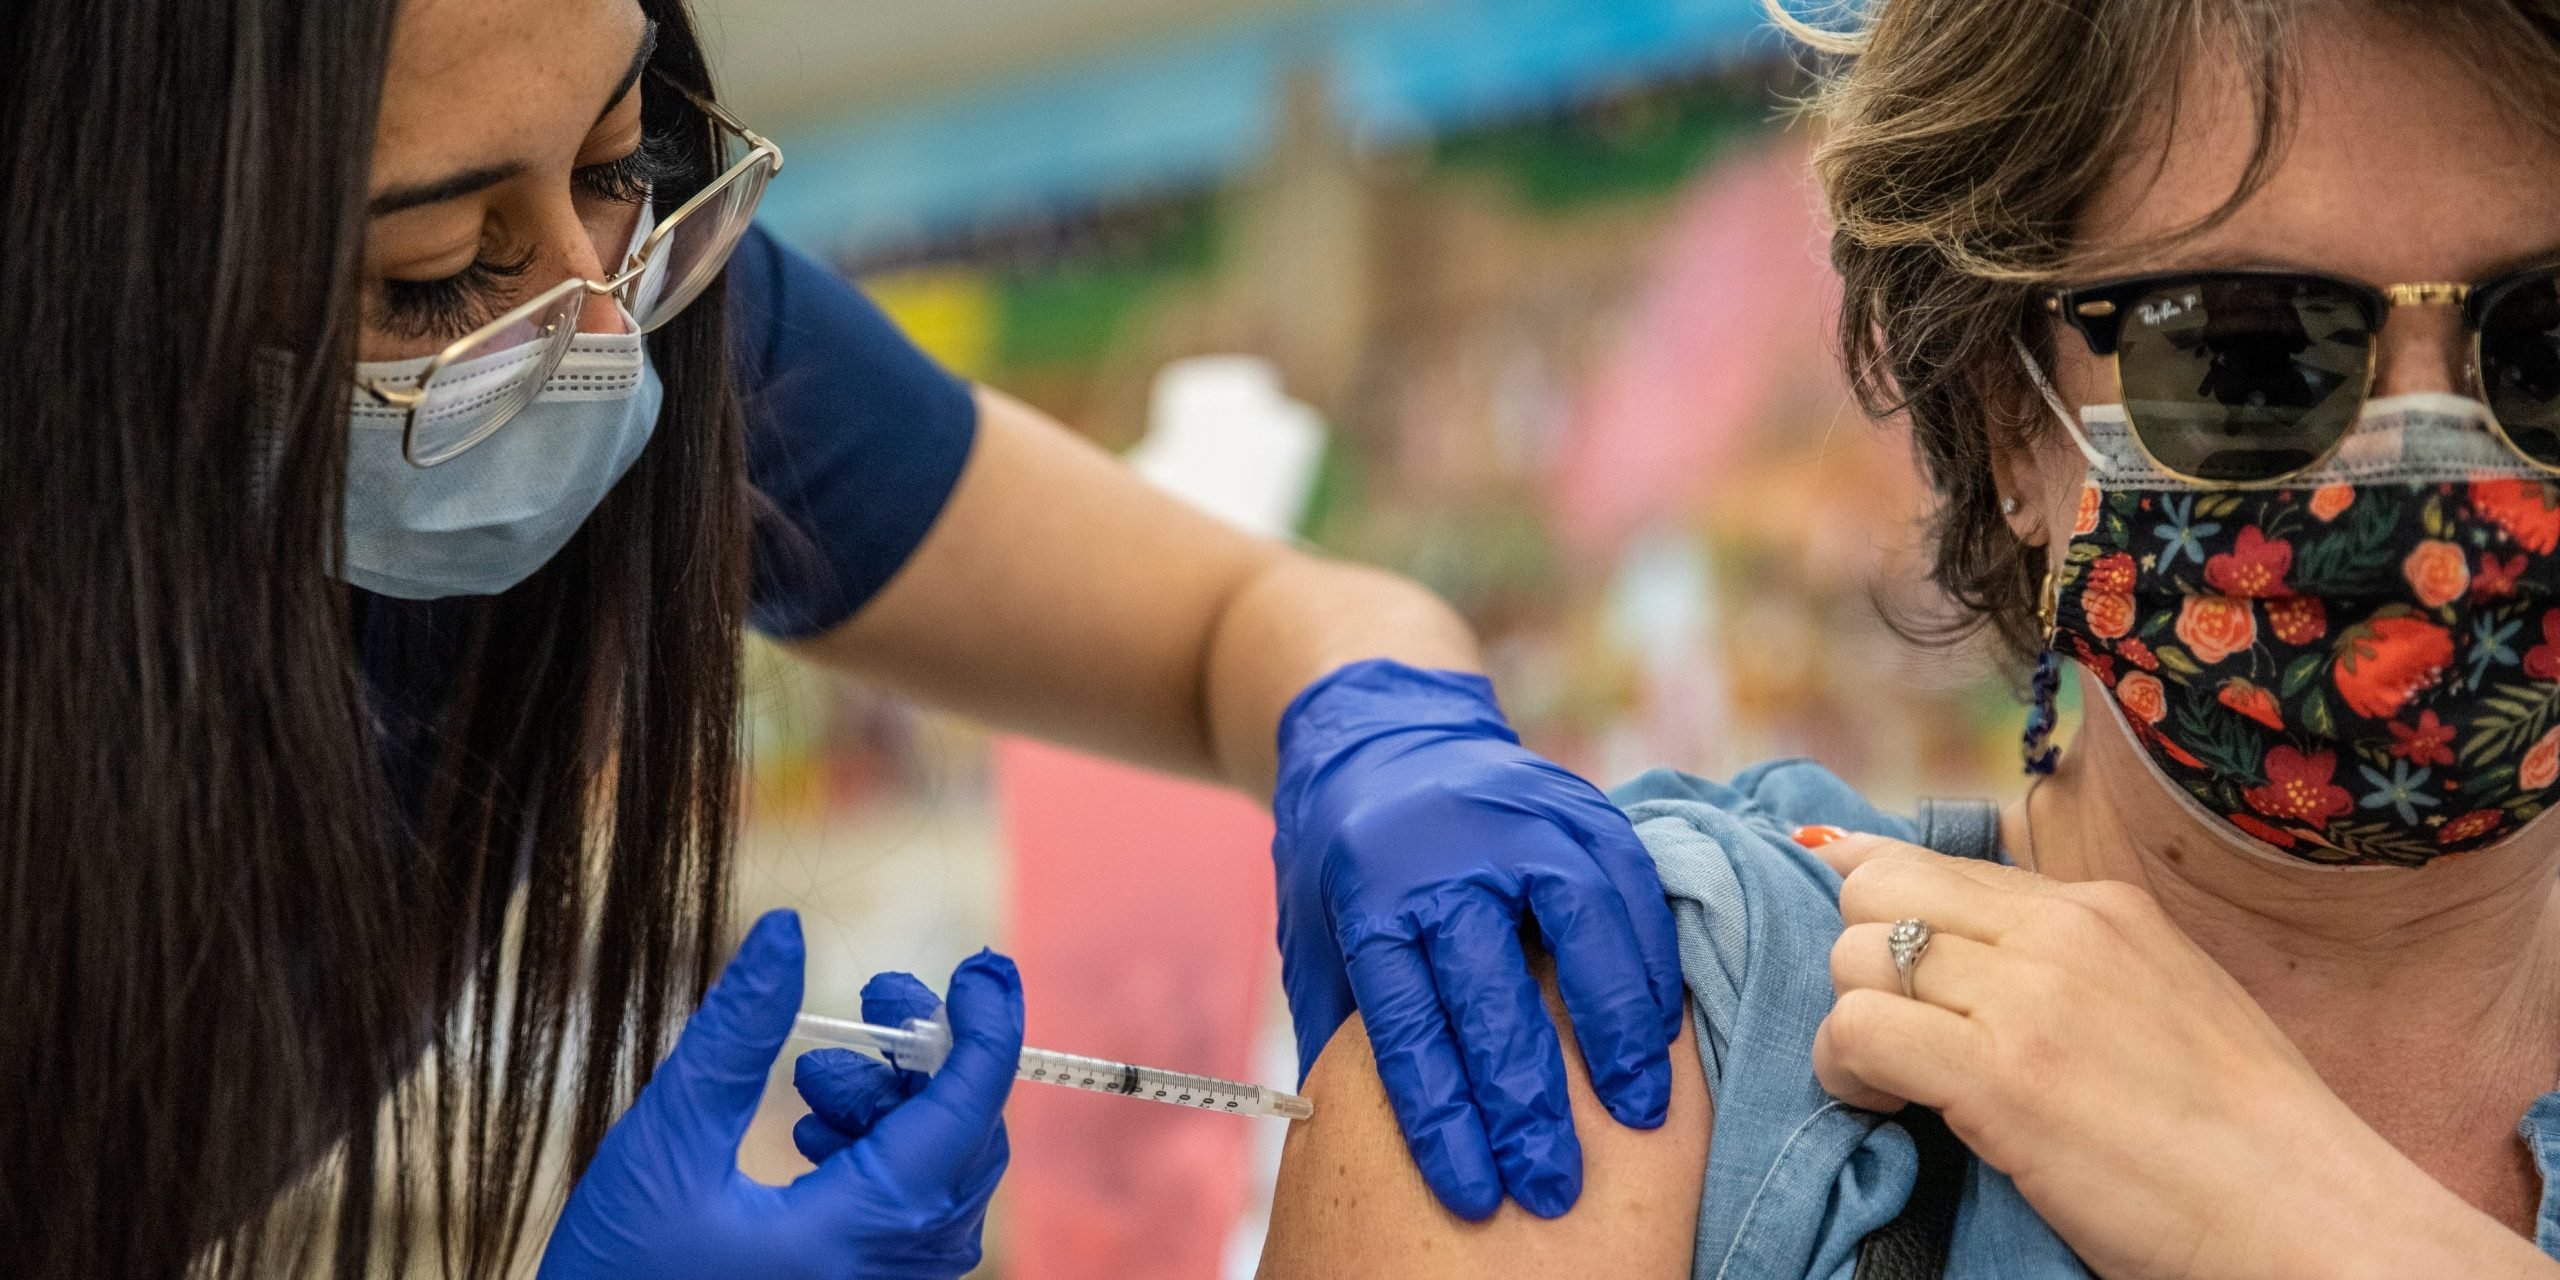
[[2252, 377]]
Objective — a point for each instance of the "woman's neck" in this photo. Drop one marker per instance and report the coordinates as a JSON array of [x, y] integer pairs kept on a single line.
[[2383, 979]]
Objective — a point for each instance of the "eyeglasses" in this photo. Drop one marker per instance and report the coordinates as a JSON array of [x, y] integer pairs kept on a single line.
[[481, 382], [2253, 377]]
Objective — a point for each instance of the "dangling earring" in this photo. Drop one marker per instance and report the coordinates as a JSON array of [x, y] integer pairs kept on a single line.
[[2043, 692]]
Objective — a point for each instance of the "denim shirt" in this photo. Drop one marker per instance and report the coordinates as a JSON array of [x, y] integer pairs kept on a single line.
[[1796, 1179]]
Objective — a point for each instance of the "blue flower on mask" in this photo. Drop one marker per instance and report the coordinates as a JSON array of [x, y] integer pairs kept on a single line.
[[2399, 792], [2182, 535], [2489, 646]]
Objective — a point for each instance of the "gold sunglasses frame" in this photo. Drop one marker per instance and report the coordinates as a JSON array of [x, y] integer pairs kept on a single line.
[[760, 151], [2085, 314]]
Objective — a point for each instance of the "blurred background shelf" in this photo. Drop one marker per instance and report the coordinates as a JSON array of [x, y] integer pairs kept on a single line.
[[1552, 272]]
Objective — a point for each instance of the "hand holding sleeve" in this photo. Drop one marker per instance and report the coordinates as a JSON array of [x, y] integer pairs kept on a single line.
[[1415, 833]]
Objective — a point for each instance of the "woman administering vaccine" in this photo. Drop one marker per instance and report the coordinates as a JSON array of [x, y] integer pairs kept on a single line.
[[404, 417]]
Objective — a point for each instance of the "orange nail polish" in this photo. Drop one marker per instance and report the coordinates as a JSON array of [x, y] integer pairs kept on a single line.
[[1818, 835]]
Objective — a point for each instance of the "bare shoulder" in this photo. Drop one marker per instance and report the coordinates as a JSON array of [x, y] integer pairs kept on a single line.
[[1351, 1204]]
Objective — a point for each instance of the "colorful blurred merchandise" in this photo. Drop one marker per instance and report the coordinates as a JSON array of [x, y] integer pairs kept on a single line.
[[1579, 373], [1575, 367]]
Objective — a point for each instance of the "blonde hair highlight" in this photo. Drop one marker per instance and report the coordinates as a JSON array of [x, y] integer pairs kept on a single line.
[[1962, 141]]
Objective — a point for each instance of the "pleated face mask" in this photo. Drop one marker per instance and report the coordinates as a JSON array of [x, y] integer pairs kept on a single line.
[[2357, 667], [519, 477], [481, 522]]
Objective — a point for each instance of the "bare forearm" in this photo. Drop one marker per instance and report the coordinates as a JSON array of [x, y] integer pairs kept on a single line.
[[2423, 1230], [1060, 596], [1298, 619]]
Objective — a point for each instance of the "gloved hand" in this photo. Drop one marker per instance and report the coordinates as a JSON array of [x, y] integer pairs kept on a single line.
[[849, 1092], [1413, 832], [664, 1199]]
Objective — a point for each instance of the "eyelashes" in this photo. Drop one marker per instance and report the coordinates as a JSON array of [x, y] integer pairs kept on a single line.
[[451, 306], [634, 177], [420, 310]]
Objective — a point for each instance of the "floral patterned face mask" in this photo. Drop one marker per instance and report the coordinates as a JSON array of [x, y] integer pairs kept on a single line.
[[2358, 668]]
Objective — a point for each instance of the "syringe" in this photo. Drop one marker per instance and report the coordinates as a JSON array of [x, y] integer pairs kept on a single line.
[[923, 1043]]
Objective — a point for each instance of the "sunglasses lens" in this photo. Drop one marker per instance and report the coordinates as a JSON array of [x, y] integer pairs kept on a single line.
[[2243, 378], [2520, 365]]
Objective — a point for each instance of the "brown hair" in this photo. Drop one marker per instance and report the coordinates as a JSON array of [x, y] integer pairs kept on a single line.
[[1963, 140]]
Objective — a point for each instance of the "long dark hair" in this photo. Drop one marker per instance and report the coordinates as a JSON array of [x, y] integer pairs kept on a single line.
[[263, 1008]]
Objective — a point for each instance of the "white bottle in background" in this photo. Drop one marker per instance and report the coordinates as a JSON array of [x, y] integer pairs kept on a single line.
[[1223, 436]]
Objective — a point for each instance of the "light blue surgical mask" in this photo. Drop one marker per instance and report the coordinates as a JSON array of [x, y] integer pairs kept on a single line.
[[487, 519]]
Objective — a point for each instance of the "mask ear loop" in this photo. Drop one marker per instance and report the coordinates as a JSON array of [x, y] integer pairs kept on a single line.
[[2061, 413], [2037, 748]]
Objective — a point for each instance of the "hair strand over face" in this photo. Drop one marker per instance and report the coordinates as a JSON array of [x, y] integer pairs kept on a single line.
[[1964, 141]]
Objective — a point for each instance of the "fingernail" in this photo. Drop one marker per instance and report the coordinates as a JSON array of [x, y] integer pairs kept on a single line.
[[1549, 1192], [773, 928], [1465, 1183], [1473, 1201], [996, 965], [770, 955], [819, 1065], [1818, 835], [1646, 1100], [891, 982]]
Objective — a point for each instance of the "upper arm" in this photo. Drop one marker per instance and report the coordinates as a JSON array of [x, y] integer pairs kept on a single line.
[[856, 439], [960, 545], [1058, 594], [1351, 1204]]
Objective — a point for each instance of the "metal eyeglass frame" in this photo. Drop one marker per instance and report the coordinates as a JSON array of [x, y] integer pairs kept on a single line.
[[760, 151], [2097, 312]]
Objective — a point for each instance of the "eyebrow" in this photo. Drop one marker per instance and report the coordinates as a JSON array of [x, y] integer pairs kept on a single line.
[[639, 63], [457, 185], [451, 187]]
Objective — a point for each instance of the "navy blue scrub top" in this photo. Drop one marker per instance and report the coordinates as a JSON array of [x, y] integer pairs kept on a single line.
[[854, 437]]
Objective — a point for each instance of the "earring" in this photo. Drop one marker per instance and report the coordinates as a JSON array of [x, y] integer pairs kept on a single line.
[[2008, 506], [2045, 690]]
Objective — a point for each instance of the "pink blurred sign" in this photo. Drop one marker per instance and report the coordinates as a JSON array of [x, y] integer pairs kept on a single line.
[[1734, 321], [1143, 922]]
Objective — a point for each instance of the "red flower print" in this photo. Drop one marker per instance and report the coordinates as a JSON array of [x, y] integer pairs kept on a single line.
[[2298, 620], [2253, 702], [2151, 734], [2384, 661], [2113, 574], [2541, 765], [2087, 520], [2254, 567], [2299, 787], [2137, 653], [2329, 500], [2470, 826], [2274, 835], [2098, 663], [2437, 573], [2110, 613], [2430, 743], [2542, 662], [2143, 698], [2216, 627], [2496, 579], [2526, 509]]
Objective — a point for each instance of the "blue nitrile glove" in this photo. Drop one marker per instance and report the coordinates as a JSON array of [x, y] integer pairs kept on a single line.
[[664, 1199], [1414, 831], [849, 1092]]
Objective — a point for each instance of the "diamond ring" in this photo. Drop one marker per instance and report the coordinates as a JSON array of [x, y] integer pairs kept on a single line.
[[1909, 941]]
